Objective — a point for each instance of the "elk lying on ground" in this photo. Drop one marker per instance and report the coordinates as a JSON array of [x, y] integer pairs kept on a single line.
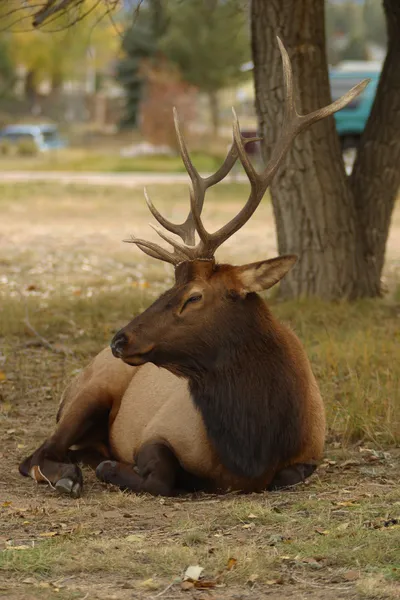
[[204, 389]]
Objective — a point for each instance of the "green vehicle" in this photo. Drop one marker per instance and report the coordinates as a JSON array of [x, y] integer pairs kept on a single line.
[[351, 120]]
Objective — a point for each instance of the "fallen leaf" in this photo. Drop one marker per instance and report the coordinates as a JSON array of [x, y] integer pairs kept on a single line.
[[248, 526], [252, 516], [342, 526], [351, 575], [204, 584], [29, 580], [48, 534], [232, 562], [312, 563], [193, 573], [3, 376], [187, 585], [321, 531], [6, 504]]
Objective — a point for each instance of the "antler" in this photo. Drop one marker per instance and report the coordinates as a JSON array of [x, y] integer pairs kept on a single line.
[[186, 230], [293, 124]]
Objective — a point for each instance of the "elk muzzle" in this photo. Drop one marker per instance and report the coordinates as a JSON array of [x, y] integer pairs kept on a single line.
[[119, 343], [129, 349]]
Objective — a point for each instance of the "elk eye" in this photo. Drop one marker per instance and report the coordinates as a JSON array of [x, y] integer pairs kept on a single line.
[[194, 298]]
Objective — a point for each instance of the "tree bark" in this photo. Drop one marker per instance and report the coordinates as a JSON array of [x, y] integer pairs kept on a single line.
[[375, 179], [214, 111], [314, 207]]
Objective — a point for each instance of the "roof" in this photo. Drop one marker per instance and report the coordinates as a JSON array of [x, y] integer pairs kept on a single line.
[[29, 128]]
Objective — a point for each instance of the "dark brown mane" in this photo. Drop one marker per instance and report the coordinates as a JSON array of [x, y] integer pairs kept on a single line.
[[249, 396]]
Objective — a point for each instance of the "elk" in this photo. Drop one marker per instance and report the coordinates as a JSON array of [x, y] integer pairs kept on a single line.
[[204, 390]]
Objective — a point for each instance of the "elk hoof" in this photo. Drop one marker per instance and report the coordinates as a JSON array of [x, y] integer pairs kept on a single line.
[[105, 469], [68, 487]]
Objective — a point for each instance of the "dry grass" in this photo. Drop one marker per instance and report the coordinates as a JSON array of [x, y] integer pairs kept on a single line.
[[63, 266]]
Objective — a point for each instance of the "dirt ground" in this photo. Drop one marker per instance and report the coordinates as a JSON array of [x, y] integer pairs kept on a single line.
[[63, 268], [308, 542]]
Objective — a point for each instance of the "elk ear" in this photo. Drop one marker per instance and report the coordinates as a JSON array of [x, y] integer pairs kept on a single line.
[[264, 274]]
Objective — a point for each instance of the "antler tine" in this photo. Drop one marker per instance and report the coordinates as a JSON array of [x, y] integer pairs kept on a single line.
[[198, 183], [172, 227], [154, 250], [180, 249], [290, 107], [293, 124]]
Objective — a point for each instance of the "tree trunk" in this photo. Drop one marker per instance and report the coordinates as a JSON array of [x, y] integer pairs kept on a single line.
[[56, 85], [30, 87], [375, 179], [316, 216], [214, 111]]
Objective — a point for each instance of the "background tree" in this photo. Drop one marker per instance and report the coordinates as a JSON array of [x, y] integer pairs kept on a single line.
[[352, 27], [54, 12], [375, 26], [7, 73], [140, 43], [338, 225], [209, 42], [56, 56], [165, 90]]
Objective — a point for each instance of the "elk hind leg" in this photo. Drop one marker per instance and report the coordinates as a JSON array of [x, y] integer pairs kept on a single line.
[[155, 472]]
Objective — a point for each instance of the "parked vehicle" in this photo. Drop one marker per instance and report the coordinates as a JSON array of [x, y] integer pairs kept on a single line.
[[351, 120], [43, 137]]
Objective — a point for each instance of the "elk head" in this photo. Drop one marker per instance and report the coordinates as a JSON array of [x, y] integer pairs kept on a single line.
[[211, 306]]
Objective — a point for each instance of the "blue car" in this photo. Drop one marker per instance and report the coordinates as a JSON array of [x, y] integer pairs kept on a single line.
[[351, 120], [45, 137]]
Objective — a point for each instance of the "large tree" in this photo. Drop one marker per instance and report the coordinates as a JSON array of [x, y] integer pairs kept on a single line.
[[338, 225], [209, 41]]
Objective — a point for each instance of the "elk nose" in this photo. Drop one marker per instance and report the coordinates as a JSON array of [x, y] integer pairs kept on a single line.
[[118, 344]]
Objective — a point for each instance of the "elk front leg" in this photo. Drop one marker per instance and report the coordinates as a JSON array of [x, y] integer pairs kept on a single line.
[[86, 417]]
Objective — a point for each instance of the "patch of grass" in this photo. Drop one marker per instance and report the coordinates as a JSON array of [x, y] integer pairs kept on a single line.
[[296, 547], [90, 160]]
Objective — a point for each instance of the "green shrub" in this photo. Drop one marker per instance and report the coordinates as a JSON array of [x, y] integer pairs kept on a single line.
[[27, 148]]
